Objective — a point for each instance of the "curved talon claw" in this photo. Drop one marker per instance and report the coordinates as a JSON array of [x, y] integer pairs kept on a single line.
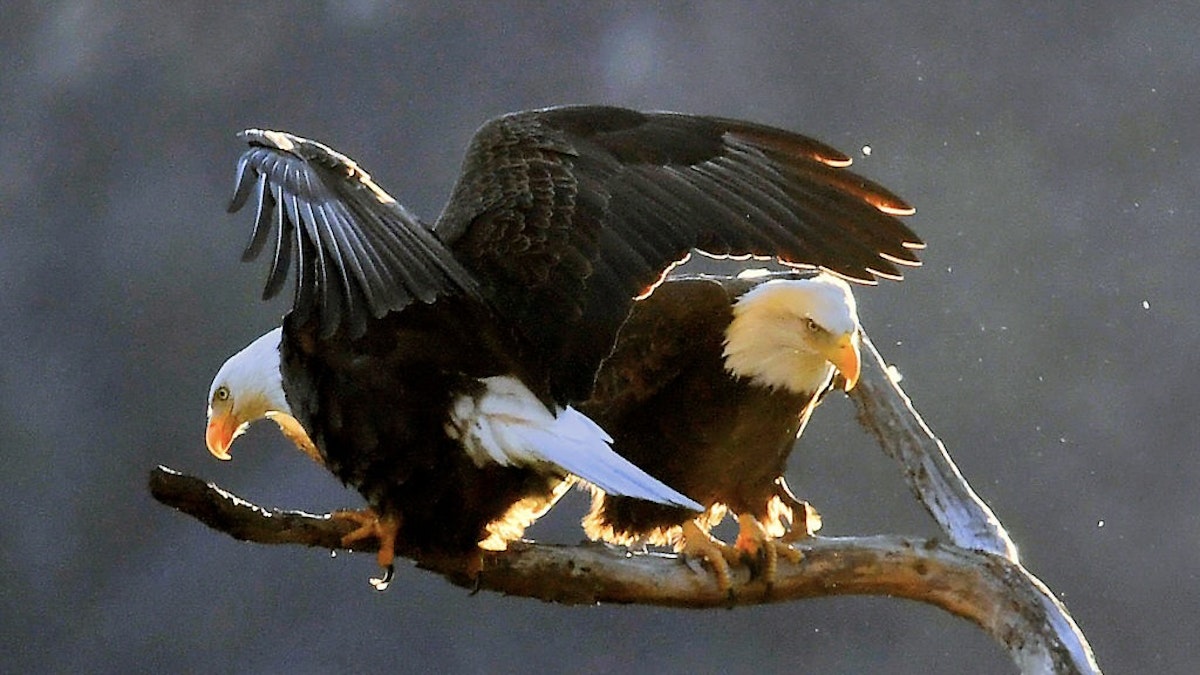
[[381, 584]]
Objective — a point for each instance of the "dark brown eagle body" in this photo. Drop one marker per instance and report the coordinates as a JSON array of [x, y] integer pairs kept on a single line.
[[675, 411], [560, 218], [376, 407]]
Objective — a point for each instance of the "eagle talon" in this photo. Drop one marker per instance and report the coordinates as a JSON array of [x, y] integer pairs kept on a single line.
[[754, 541], [770, 558], [381, 584], [382, 528], [694, 541], [474, 570]]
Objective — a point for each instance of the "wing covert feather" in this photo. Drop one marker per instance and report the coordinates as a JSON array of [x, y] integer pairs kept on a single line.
[[565, 215]]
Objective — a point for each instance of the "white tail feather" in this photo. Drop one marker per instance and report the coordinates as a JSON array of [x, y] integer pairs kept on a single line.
[[508, 425]]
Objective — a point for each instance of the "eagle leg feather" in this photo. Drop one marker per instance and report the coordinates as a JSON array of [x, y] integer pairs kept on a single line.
[[805, 523], [803, 517]]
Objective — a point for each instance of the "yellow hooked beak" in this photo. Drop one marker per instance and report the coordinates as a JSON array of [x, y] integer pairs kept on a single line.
[[223, 427], [844, 356]]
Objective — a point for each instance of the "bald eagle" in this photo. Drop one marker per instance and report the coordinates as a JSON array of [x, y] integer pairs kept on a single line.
[[248, 387], [711, 381], [434, 368]]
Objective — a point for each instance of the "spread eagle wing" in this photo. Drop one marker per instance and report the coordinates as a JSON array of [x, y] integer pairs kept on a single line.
[[358, 252], [566, 215]]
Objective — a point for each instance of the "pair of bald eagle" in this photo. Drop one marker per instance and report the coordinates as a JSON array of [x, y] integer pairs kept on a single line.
[[461, 375]]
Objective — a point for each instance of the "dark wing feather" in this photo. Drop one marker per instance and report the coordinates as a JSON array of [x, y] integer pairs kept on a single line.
[[358, 253], [566, 214]]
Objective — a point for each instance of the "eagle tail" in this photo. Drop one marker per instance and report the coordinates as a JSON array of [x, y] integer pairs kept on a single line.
[[506, 424]]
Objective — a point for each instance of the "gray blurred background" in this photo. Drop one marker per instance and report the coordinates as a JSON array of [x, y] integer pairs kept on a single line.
[[1049, 339]]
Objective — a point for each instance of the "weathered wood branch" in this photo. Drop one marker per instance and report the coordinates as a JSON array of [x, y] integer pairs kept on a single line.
[[995, 593], [885, 411], [978, 577]]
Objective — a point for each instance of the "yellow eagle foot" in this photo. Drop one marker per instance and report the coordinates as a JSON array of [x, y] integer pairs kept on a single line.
[[384, 529], [694, 541], [756, 544]]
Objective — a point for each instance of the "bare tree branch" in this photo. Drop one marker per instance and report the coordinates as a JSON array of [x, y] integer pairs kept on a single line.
[[991, 591], [886, 412], [978, 578]]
